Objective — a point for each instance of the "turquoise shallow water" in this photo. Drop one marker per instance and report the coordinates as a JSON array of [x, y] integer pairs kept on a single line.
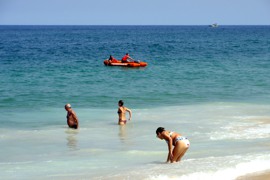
[[211, 84]]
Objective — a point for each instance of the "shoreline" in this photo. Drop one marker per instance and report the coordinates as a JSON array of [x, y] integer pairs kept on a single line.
[[260, 175]]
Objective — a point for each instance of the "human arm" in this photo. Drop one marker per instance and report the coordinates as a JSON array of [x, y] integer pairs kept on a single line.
[[75, 118], [130, 58], [170, 146], [130, 113]]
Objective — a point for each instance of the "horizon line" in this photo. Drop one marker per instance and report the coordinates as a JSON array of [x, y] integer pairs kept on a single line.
[[132, 25]]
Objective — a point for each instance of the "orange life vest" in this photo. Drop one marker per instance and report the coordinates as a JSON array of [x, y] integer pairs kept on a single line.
[[125, 58]]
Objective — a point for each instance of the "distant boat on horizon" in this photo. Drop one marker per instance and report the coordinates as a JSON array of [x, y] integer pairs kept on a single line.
[[214, 25]]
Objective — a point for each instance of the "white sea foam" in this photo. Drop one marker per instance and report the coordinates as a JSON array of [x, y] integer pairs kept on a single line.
[[260, 164], [242, 130]]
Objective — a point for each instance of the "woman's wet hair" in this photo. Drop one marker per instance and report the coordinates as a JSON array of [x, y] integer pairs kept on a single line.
[[121, 103], [160, 130]]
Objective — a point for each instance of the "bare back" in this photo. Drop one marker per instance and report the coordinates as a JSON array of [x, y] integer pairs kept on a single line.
[[72, 119], [122, 115]]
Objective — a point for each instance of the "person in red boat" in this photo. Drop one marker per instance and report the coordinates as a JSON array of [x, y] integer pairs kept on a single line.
[[127, 58], [112, 59]]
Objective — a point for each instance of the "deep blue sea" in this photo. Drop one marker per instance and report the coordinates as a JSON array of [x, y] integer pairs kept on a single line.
[[211, 84]]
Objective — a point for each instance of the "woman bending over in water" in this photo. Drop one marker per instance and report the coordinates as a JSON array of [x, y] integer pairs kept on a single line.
[[122, 113], [180, 143]]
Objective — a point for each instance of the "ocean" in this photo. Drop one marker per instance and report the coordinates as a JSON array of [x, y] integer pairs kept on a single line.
[[209, 84]]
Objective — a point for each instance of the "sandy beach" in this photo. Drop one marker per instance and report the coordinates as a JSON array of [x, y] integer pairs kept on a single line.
[[263, 175]]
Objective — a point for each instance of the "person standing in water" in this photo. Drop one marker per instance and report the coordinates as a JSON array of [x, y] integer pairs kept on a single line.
[[122, 113], [180, 143], [72, 119]]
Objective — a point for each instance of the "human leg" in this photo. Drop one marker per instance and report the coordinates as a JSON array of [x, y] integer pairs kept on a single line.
[[179, 150]]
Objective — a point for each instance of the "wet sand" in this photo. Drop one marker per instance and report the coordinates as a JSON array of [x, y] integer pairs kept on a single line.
[[264, 175]]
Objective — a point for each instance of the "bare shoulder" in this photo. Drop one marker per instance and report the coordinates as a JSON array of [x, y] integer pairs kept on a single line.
[[165, 134], [127, 109], [72, 112]]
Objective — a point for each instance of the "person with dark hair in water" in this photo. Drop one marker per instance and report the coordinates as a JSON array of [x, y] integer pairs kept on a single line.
[[180, 143], [122, 113]]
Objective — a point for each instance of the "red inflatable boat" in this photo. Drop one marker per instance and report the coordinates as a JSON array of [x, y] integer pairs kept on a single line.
[[128, 64]]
